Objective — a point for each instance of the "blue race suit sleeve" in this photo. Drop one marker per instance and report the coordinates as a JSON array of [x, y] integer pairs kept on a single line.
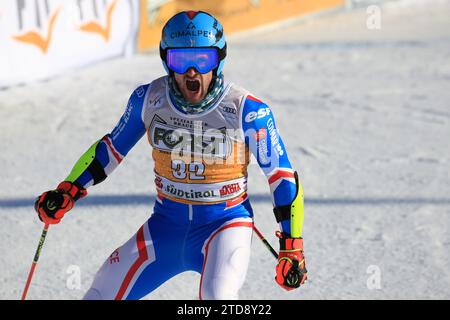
[[265, 143]]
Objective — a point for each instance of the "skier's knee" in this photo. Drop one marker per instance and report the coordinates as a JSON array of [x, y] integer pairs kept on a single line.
[[212, 291]]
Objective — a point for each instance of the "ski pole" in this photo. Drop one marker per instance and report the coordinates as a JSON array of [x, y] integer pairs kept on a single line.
[[35, 260], [266, 243]]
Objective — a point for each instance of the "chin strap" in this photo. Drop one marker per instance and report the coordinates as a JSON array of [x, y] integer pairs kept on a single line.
[[213, 95]]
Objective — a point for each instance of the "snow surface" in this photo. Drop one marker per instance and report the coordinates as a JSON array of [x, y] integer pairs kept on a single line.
[[365, 117]]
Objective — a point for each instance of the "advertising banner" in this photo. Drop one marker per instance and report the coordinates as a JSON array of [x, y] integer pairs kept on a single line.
[[41, 38], [234, 15]]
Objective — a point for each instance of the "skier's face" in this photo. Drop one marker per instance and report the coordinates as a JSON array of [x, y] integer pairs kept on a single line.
[[193, 85]]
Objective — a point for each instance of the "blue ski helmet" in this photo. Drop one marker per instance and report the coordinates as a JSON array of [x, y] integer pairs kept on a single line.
[[193, 29]]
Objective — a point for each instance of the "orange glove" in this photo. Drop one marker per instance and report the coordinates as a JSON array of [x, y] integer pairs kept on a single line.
[[52, 205], [291, 269]]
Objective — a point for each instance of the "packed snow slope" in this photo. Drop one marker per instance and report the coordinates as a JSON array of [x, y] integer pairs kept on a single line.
[[365, 117]]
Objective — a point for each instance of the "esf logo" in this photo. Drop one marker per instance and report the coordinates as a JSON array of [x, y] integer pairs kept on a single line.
[[253, 115], [211, 143]]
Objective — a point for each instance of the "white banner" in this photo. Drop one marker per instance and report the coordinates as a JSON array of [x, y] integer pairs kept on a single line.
[[201, 192], [41, 38]]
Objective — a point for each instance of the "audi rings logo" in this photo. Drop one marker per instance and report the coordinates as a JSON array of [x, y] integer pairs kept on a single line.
[[229, 110]]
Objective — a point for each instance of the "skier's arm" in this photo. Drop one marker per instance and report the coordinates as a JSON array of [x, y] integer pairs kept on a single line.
[[265, 143], [98, 162]]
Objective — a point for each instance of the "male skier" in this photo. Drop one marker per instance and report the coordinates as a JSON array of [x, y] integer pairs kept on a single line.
[[201, 129]]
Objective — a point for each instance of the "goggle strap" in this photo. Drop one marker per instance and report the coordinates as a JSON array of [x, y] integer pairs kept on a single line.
[[222, 53]]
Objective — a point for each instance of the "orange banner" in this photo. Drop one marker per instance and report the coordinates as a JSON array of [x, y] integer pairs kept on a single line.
[[233, 14]]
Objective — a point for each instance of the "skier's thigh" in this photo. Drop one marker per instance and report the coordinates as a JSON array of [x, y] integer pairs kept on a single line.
[[226, 258], [126, 274]]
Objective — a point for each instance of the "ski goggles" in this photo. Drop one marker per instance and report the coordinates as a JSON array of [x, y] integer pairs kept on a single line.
[[204, 60]]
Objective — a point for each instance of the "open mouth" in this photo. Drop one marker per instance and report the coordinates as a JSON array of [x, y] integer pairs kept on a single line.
[[193, 85]]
